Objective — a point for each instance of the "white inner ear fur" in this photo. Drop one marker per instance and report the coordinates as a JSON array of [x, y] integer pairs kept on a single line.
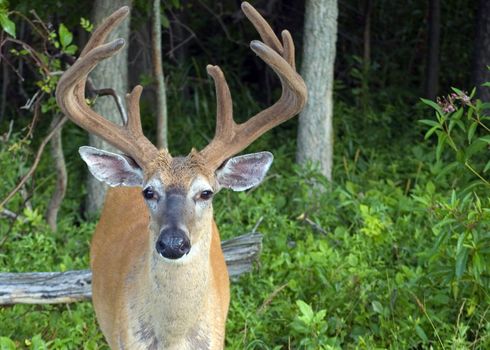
[[111, 168], [244, 172]]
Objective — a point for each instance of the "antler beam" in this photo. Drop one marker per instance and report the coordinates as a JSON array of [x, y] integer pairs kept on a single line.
[[70, 95], [231, 138]]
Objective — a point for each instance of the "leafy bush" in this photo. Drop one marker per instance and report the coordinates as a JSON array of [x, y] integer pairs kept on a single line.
[[391, 255]]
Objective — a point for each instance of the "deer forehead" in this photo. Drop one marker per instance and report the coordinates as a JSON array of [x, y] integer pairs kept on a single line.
[[184, 173]]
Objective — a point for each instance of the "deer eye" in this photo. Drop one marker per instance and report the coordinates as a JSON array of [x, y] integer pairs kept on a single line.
[[205, 195], [149, 193]]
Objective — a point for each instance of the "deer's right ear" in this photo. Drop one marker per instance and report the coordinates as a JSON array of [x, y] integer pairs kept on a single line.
[[112, 168]]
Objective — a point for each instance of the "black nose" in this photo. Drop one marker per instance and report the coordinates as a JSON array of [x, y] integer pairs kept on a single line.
[[173, 243]]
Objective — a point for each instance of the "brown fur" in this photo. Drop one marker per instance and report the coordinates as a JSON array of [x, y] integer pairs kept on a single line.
[[179, 170], [122, 262]]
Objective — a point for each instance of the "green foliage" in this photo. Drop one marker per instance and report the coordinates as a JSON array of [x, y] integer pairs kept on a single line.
[[311, 328], [461, 222], [461, 125], [65, 39], [5, 23], [86, 24], [390, 255]]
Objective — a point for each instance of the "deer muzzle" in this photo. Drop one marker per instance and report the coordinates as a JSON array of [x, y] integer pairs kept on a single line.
[[173, 243]]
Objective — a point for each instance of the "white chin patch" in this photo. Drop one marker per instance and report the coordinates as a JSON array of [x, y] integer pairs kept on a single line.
[[195, 249]]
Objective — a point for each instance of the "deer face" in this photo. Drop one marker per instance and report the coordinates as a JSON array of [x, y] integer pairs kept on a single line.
[[178, 191]]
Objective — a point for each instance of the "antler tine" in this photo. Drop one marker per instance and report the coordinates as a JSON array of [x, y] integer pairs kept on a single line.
[[70, 95], [101, 33], [288, 48], [224, 108], [231, 138], [262, 27]]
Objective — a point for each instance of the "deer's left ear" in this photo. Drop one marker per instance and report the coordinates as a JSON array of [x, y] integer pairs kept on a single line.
[[244, 172]]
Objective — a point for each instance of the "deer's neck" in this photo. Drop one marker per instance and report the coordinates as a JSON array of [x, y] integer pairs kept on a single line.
[[173, 299]]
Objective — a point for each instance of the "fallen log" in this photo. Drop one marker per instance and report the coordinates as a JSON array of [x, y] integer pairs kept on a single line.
[[72, 286]]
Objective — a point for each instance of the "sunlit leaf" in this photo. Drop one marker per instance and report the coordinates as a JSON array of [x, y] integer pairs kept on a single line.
[[66, 36], [7, 25]]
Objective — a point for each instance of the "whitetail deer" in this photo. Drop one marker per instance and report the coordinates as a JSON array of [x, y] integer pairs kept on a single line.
[[159, 276]]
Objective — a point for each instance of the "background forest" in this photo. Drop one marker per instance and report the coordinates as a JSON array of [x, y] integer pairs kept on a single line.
[[393, 252]]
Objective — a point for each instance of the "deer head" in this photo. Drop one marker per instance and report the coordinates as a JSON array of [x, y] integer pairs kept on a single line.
[[179, 190]]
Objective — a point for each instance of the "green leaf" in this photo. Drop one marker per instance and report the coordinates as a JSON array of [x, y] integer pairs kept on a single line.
[[429, 122], [485, 105], [66, 37], [7, 25], [164, 21], [457, 115], [458, 91], [7, 344], [38, 343], [433, 105], [471, 131], [452, 123], [377, 307], [485, 139], [71, 49], [441, 238], [441, 142], [461, 260], [473, 92], [487, 166], [421, 333], [431, 131], [85, 23], [478, 265], [305, 309], [476, 147]]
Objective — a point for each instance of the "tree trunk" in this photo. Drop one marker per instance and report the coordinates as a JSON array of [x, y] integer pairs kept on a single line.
[[367, 33], [366, 56], [432, 69], [315, 133], [160, 92], [481, 53], [111, 73], [61, 176]]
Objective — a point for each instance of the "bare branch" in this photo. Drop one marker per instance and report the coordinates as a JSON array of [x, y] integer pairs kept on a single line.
[[36, 161], [61, 176], [257, 224], [30, 50], [31, 100], [117, 100], [5, 137], [8, 214], [35, 118]]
